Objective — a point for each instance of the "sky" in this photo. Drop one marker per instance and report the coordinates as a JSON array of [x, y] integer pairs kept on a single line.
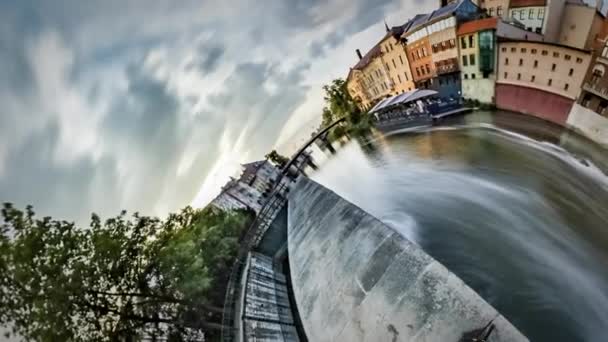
[[150, 106]]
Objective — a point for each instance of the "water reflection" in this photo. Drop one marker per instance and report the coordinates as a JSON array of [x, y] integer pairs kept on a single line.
[[515, 206]]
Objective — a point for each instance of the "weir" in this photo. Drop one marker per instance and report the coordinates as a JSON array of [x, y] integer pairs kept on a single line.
[[356, 279]]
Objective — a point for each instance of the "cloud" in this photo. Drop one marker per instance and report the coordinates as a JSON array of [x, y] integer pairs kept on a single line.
[[123, 105]]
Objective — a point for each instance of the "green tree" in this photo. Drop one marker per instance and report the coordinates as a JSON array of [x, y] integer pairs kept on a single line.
[[277, 158], [116, 280]]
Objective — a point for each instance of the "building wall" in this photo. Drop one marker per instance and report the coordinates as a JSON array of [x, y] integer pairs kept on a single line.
[[589, 123], [356, 89], [495, 8], [509, 31], [536, 102], [376, 80], [551, 68], [394, 57], [553, 18], [533, 17], [480, 89], [579, 26], [466, 50], [421, 60]]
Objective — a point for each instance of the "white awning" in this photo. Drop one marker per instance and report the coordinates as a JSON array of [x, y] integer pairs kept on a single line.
[[403, 98]]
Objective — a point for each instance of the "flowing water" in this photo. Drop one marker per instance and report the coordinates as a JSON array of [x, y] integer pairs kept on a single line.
[[515, 206]]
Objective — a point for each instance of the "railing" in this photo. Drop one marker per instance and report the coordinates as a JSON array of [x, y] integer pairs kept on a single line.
[[252, 237], [596, 89]]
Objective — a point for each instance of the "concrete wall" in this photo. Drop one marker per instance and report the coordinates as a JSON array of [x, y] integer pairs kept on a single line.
[[355, 279], [480, 89], [589, 123]]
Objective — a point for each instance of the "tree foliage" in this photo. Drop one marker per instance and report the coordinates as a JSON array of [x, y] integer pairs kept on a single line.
[[339, 104], [277, 158], [122, 279]]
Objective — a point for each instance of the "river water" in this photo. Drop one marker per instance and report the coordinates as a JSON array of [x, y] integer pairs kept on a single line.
[[515, 206]]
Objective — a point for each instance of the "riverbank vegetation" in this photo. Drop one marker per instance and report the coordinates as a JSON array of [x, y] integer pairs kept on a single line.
[[121, 279], [339, 104]]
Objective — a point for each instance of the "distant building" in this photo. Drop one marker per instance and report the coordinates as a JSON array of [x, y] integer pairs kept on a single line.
[[541, 79], [368, 81], [251, 189], [495, 8]]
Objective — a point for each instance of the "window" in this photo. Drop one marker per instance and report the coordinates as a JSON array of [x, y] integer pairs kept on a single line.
[[394, 65], [601, 108], [586, 100], [418, 53], [536, 64], [424, 54], [556, 54], [522, 15], [418, 72], [521, 62], [452, 43], [471, 45], [463, 43], [413, 56], [598, 73], [504, 49], [499, 11], [544, 52], [579, 60], [387, 68], [473, 76], [506, 75], [401, 59], [567, 57], [533, 51], [399, 78], [571, 72], [524, 50], [550, 82], [541, 13], [605, 51], [465, 60], [518, 77], [532, 78], [491, 11], [472, 59], [566, 86], [506, 61], [466, 77], [553, 67], [531, 13], [406, 78], [422, 69], [513, 49], [538, 30], [428, 70]]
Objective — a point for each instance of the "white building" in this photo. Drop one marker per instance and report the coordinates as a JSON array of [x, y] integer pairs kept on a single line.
[[250, 190]]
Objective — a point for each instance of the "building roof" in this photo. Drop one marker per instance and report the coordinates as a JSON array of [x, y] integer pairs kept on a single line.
[[527, 3], [369, 56], [477, 25], [446, 10]]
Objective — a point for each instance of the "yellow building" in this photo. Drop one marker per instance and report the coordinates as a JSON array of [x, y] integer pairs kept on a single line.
[[383, 71]]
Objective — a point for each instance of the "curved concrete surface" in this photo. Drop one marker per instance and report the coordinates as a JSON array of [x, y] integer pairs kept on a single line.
[[356, 279]]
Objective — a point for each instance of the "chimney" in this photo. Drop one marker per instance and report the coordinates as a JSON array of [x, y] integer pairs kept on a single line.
[[359, 54]]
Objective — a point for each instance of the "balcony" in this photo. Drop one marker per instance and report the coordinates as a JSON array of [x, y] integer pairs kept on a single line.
[[446, 68], [596, 89]]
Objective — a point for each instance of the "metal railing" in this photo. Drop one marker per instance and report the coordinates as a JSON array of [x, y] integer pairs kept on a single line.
[[255, 232]]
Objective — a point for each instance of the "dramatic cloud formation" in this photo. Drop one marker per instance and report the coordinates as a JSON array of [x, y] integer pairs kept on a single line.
[[150, 106]]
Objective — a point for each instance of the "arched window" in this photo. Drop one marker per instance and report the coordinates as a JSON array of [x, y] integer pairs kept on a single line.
[[599, 70], [605, 50]]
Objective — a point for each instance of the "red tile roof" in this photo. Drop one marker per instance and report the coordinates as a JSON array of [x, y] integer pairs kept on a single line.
[[477, 25], [527, 3]]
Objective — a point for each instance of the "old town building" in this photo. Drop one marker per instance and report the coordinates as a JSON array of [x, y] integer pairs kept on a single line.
[[541, 79], [478, 40], [394, 57], [368, 81], [580, 25], [432, 48], [495, 8]]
